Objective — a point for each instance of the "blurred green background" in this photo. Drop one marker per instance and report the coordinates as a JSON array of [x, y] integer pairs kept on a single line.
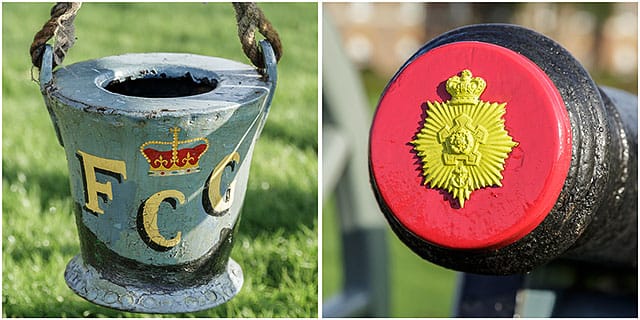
[[380, 37], [277, 240], [418, 288]]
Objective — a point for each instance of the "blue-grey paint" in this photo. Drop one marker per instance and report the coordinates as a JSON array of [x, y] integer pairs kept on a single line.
[[89, 118]]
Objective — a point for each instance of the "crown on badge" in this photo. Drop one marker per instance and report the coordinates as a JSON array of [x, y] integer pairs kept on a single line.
[[465, 89], [177, 160]]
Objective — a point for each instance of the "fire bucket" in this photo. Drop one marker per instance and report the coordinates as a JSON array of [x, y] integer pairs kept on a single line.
[[158, 148]]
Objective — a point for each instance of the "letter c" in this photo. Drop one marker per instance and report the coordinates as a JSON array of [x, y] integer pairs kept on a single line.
[[148, 219]]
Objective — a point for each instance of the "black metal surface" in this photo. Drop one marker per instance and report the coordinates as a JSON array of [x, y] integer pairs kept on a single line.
[[125, 271], [487, 296], [582, 289], [568, 288], [595, 305], [604, 150], [612, 235]]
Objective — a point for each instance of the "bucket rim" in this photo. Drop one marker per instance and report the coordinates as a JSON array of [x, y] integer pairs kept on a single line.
[[83, 84]]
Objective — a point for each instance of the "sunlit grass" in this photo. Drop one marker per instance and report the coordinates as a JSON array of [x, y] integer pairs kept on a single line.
[[277, 240]]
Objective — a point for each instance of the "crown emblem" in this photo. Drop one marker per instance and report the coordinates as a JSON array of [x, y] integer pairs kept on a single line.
[[465, 89], [176, 161], [463, 144]]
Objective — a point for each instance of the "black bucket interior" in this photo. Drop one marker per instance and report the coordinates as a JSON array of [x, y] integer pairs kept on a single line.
[[159, 85]]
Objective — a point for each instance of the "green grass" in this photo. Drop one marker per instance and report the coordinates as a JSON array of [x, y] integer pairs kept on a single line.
[[277, 241], [418, 288]]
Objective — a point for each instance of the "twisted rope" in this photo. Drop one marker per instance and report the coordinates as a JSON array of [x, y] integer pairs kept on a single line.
[[250, 18], [60, 25]]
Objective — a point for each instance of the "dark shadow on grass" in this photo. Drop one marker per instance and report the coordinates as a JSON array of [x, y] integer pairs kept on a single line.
[[69, 308], [291, 135], [27, 254], [53, 185], [278, 208]]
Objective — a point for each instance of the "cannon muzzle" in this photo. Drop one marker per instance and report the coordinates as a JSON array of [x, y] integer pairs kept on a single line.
[[492, 151]]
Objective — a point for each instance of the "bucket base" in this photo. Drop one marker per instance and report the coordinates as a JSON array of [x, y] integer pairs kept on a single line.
[[88, 283]]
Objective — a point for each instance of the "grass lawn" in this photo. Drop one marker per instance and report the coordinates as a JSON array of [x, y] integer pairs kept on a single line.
[[277, 241]]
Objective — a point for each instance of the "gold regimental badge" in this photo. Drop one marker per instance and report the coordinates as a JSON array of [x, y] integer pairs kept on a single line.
[[463, 144]]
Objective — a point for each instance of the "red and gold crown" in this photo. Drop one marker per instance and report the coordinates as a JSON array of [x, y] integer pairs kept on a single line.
[[177, 160]]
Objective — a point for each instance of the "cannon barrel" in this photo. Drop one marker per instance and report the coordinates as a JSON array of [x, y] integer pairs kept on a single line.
[[492, 151]]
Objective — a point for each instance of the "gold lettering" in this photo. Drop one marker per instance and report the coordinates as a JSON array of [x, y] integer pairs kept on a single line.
[[219, 204], [92, 187], [150, 217]]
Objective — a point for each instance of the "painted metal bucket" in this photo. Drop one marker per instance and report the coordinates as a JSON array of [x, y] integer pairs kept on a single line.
[[158, 148]]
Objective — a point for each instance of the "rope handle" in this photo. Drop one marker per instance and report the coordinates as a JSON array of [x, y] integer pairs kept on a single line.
[[249, 18], [60, 26]]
